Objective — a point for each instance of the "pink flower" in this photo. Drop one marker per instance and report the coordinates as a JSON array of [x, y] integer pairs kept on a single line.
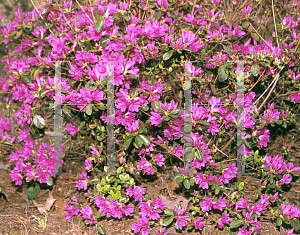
[[199, 224], [290, 232], [127, 210], [133, 127], [206, 205], [87, 214], [242, 203], [219, 204], [159, 159], [274, 197], [156, 119], [71, 129], [180, 217], [136, 192], [243, 231], [285, 179], [225, 219], [72, 210], [141, 226], [162, 231], [143, 164], [88, 164], [291, 168]]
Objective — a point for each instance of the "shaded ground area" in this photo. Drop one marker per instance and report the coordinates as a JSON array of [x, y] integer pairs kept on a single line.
[[17, 214]]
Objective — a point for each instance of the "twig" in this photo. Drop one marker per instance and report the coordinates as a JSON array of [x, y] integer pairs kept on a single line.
[[220, 151], [83, 11], [275, 23], [276, 80], [41, 17], [257, 80], [92, 10], [168, 150], [194, 7], [259, 35]]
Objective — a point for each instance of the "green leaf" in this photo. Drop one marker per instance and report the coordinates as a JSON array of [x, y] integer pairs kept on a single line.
[[222, 74], [203, 122], [293, 223], [44, 93], [157, 15], [89, 110], [49, 26], [279, 222], [186, 184], [127, 143], [138, 141], [7, 142], [155, 105], [263, 123], [255, 36], [39, 122], [100, 228], [43, 11], [82, 124], [99, 25], [245, 24], [145, 140], [66, 109], [255, 69], [227, 49], [117, 195], [36, 73], [192, 181], [26, 79], [199, 155], [127, 18], [32, 191], [178, 178], [2, 190], [168, 55], [236, 223], [189, 154], [169, 212], [167, 221], [217, 189]]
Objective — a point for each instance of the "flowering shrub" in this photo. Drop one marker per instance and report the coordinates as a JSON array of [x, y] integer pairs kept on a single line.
[[148, 43]]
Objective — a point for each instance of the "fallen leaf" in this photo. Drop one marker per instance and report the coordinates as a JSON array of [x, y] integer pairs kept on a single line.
[[59, 207], [179, 200], [43, 208]]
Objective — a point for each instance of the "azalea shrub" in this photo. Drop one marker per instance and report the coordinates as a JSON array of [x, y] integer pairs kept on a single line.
[[149, 48]]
